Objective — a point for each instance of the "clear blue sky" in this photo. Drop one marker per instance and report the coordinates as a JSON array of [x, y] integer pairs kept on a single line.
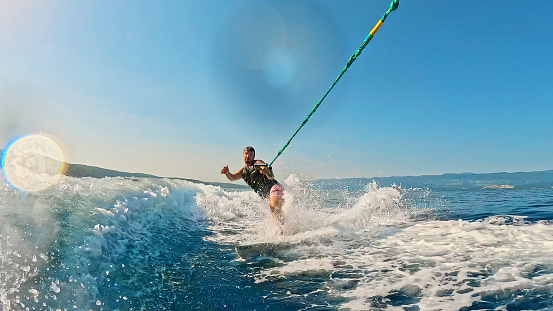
[[179, 88]]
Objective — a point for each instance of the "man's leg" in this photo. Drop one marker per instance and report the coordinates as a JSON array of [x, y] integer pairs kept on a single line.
[[276, 204], [276, 201]]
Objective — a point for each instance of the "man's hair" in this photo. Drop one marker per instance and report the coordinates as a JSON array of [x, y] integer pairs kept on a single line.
[[249, 148]]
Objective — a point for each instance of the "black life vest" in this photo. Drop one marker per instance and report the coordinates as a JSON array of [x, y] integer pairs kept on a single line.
[[258, 181]]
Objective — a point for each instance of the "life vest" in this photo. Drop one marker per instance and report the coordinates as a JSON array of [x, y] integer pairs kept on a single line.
[[258, 181]]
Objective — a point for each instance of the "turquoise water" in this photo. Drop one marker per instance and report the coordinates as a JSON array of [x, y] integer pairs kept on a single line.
[[430, 243]]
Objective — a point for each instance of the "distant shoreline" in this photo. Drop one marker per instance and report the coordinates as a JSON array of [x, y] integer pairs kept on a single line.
[[498, 175], [82, 170]]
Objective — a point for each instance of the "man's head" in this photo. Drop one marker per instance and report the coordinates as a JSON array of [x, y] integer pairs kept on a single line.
[[249, 155]]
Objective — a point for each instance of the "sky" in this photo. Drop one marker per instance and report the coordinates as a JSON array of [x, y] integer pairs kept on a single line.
[[179, 88]]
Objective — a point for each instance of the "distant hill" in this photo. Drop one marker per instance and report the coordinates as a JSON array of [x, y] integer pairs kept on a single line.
[[450, 180], [81, 170], [548, 174]]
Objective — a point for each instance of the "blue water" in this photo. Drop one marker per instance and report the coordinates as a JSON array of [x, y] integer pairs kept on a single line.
[[459, 242]]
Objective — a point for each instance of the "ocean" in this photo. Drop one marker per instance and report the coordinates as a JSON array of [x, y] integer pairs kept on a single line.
[[448, 242]]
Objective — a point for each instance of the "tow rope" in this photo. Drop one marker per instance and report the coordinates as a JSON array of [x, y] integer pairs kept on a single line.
[[393, 6]]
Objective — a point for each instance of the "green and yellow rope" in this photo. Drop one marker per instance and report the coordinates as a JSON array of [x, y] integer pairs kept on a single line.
[[393, 6]]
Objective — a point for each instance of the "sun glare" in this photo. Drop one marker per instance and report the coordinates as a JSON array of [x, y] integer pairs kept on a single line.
[[33, 162]]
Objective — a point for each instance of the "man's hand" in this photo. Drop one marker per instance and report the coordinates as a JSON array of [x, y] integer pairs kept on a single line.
[[265, 170], [225, 170]]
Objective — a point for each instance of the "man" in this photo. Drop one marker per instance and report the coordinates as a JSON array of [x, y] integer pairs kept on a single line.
[[262, 181]]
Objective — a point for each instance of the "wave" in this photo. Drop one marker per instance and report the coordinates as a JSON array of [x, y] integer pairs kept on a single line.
[[58, 246]]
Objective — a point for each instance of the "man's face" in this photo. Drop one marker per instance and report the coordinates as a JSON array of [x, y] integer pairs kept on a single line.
[[249, 156]]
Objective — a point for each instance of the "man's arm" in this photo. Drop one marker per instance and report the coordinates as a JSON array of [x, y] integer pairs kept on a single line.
[[230, 176]]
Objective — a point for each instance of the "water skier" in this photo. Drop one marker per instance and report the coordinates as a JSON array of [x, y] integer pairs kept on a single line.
[[260, 178]]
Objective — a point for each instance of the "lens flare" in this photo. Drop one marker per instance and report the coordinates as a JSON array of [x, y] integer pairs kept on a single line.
[[33, 162]]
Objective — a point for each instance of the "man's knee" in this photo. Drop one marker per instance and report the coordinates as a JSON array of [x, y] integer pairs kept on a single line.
[[276, 203]]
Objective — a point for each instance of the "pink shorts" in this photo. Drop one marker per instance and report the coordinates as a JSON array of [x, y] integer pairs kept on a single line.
[[276, 191]]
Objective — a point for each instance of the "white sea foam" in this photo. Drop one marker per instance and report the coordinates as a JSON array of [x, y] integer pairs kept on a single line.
[[21, 252], [441, 264], [373, 249], [449, 266]]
